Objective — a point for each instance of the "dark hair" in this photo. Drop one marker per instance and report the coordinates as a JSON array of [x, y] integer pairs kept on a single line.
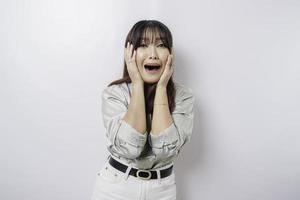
[[134, 36]]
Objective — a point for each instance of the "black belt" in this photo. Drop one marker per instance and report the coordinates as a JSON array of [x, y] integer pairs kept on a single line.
[[143, 174]]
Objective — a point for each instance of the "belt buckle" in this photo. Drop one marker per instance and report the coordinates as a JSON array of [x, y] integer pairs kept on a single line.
[[144, 178]]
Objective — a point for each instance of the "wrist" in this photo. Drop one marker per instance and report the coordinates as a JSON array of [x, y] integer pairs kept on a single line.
[[137, 84], [161, 87], [161, 104]]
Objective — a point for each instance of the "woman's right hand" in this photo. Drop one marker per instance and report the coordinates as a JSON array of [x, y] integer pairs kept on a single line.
[[130, 59]]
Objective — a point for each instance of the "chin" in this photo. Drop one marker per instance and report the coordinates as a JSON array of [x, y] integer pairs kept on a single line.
[[151, 80]]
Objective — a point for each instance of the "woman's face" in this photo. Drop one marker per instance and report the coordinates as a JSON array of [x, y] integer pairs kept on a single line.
[[151, 52]]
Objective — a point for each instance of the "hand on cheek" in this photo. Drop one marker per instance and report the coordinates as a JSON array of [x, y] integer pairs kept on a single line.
[[130, 59], [168, 71]]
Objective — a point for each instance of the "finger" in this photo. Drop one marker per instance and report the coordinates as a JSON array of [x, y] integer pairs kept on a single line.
[[170, 67], [134, 55], [169, 61], [131, 47]]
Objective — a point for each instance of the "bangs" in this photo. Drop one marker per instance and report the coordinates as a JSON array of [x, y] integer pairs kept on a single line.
[[153, 34], [150, 31]]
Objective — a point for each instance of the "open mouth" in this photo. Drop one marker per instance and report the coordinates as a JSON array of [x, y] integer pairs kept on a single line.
[[152, 68]]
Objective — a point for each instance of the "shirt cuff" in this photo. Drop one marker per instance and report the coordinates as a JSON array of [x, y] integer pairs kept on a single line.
[[167, 137], [131, 135]]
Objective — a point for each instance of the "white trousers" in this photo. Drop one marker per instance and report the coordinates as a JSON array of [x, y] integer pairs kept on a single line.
[[112, 184]]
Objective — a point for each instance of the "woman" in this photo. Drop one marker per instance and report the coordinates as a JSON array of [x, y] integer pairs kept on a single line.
[[147, 117]]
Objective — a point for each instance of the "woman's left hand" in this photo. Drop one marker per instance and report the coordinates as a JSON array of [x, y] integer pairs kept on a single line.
[[168, 71]]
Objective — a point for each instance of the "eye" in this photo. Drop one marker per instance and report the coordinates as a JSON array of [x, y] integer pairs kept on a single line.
[[161, 45], [143, 45]]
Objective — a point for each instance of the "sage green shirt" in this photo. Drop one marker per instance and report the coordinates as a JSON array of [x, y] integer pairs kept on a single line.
[[145, 151]]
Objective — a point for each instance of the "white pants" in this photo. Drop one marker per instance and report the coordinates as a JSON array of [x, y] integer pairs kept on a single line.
[[112, 184]]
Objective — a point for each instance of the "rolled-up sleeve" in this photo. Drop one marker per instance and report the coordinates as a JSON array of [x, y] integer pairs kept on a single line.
[[168, 142], [124, 140]]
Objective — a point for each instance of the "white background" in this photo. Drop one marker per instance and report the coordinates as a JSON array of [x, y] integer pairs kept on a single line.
[[241, 58]]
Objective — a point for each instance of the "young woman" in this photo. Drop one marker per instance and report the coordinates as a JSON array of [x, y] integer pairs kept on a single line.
[[147, 117]]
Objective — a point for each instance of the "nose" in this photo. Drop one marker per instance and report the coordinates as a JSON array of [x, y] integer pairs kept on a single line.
[[153, 53]]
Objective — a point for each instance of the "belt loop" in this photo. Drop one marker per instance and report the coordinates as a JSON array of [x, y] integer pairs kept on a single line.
[[158, 176], [126, 174]]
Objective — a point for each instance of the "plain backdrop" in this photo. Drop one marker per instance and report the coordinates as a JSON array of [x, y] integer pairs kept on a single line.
[[241, 58]]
